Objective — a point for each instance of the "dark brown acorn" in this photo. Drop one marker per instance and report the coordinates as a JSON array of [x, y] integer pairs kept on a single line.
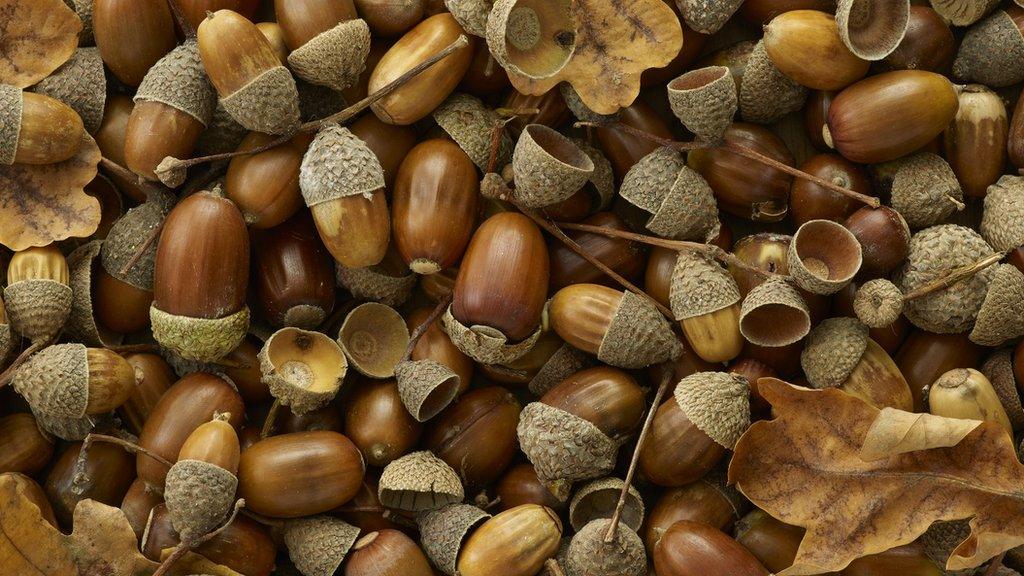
[[699, 501], [520, 485], [622, 256], [153, 378], [378, 424], [105, 477], [884, 239], [694, 549], [23, 447], [928, 44], [808, 201], [623, 149]]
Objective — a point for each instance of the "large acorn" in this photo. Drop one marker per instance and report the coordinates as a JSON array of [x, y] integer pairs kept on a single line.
[[328, 43], [71, 381], [516, 542], [793, 41], [37, 129], [130, 51], [706, 301], [265, 186], [38, 297], [200, 487], [692, 548]]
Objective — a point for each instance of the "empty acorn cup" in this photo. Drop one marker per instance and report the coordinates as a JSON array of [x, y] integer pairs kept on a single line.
[[532, 38], [442, 532], [705, 101], [824, 256], [303, 369], [374, 338], [419, 482], [872, 29], [426, 387], [1001, 317], [598, 499], [548, 167], [774, 314], [334, 58], [37, 296], [317, 545]]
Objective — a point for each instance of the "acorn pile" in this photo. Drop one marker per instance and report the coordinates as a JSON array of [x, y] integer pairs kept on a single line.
[[388, 288]]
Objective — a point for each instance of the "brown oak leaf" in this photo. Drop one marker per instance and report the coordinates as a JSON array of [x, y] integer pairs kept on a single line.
[[36, 37], [805, 468]]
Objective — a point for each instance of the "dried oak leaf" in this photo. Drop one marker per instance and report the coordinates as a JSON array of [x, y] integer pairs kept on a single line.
[[805, 468], [36, 37], [40, 204]]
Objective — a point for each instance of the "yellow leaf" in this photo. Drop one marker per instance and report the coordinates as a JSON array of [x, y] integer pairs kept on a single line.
[[29, 545], [896, 432], [36, 37]]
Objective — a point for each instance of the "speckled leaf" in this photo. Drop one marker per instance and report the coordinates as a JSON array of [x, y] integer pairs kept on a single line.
[[36, 37], [804, 468], [29, 545]]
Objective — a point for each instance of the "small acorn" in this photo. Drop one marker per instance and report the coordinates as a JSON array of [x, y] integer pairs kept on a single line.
[[419, 482], [824, 256], [967, 393], [328, 43], [884, 238], [516, 542], [590, 555], [872, 29], [598, 499], [81, 84], [548, 167], [791, 39], [72, 381], [992, 50], [706, 301], [925, 190], [387, 551], [443, 531], [928, 43], [708, 501], [1002, 222], [37, 129], [317, 545], [878, 303], [705, 101], [774, 314], [765, 93], [303, 369], [201, 485], [374, 338], [37, 297]]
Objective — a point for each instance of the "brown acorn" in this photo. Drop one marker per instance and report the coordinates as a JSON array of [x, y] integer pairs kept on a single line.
[[705, 299], [328, 43], [201, 485], [598, 499], [388, 19], [378, 424], [37, 298], [153, 376], [137, 505], [387, 552], [515, 542], [23, 447], [974, 139], [772, 542], [244, 546], [130, 51], [37, 129], [520, 485], [694, 549], [196, 10], [419, 482], [884, 238], [303, 369], [623, 256], [72, 381], [265, 186], [967, 393], [808, 201], [702, 501], [624, 149], [792, 37], [927, 45], [104, 475], [388, 142], [909, 559]]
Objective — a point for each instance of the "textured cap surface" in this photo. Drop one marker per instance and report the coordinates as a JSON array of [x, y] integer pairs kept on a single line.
[[1002, 222], [700, 286], [471, 14], [998, 368], [963, 13], [707, 16], [603, 178], [765, 93], [10, 122], [589, 555], [638, 335], [338, 164], [222, 134], [599, 498], [55, 381], [179, 81], [81, 84], [470, 124], [372, 283], [718, 403], [199, 496], [1001, 316], [548, 167], [878, 303], [566, 361], [269, 103], [992, 52], [423, 380], [70, 429], [201, 339], [485, 344], [579, 108], [648, 182], [925, 190], [705, 101], [442, 532], [334, 58], [562, 447], [304, 370], [774, 314], [317, 545], [82, 326], [689, 211], [128, 234], [832, 350], [37, 309], [419, 482]]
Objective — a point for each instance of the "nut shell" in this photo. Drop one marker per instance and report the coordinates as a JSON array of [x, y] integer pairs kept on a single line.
[[833, 349], [374, 338], [199, 339], [419, 482], [1001, 316], [872, 29], [705, 101], [562, 447], [638, 335], [37, 309], [426, 387], [992, 52], [81, 84], [199, 496], [442, 532], [334, 58], [708, 16], [303, 369], [317, 545], [269, 103], [1002, 222]]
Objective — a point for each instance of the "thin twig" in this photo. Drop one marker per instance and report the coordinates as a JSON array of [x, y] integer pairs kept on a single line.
[[142, 249], [131, 447], [185, 547], [150, 188], [420, 330], [953, 277], [186, 27], [6, 375], [200, 182], [994, 565], [268, 422]]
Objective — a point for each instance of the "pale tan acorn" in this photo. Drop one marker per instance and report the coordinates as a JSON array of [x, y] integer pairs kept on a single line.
[[200, 486], [37, 129], [443, 531], [967, 393], [317, 545], [706, 301], [38, 297], [81, 84], [70, 381], [419, 482], [303, 369]]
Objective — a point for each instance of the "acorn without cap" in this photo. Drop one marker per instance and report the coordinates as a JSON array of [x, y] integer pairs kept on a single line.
[[706, 301], [516, 542], [38, 298], [967, 393], [72, 381], [774, 314]]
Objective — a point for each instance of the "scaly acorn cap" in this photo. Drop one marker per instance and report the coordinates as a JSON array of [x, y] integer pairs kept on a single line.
[[318, 102], [603, 178], [471, 14], [70, 429], [303, 369], [199, 496], [565, 362], [37, 309], [638, 335], [443, 530], [269, 103], [374, 284], [9, 342], [689, 211], [718, 403], [128, 234], [998, 368], [317, 545], [705, 101], [179, 80], [878, 303], [471, 123], [81, 84], [765, 93], [548, 167], [11, 102], [832, 350], [485, 344], [426, 387], [338, 164], [1001, 316], [963, 12], [55, 381], [200, 339], [599, 498], [563, 447], [82, 326], [700, 286], [334, 58], [991, 53], [707, 16], [774, 314], [83, 8], [374, 338], [942, 538], [933, 253], [648, 182], [590, 555], [580, 110], [1002, 222], [925, 190], [223, 134], [419, 482], [872, 29]]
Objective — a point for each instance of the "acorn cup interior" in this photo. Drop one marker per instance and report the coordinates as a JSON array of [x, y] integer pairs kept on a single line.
[[540, 36], [828, 251], [560, 148], [307, 360], [777, 323], [697, 78], [374, 338]]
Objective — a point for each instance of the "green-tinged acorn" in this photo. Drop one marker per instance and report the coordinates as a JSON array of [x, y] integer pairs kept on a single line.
[[200, 486], [992, 51], [548, 167], [706, 301], [878, 303], [317, 545], [705, 101], [443, 531], [71, 381], [471, 124], [925, 190], [1001, 316], [374, 338], [590, 555], [303, 369], [765, 93], [1002, 222], [80, 83], [37, 297], [598, 500], [419, 482]]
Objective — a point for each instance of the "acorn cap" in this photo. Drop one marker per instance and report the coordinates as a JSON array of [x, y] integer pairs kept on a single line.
[[563, 447], [599, 498], [200, 339], [590, 555], [705, 101], [485, 344], [1002, 222], [565, 362], [824, 256], [9, 342], [718, 403], [878, 303], [443, 530], [303, 370], [83, 8], [548, 167], [707, 16], [81, 84], [933, 253], [374, 338], [82, 326], [532, 54], [992, 52], [603, 178], [338, 164], [765, 93], [334, 58], [373, 283], [689, 211], [872, 29], [37, 309], [774, 314], [832, 350], [223, 134], [964, 12], [317, 545], [426, 387], [579, 108], [179, 80], [925, 190], [648, 182], [305, 316], [1001, 316], [471, 14], [199, 496], [470, 123], [419, 482], [638, 335], [998, 368], [700, 286], [70, 429], [942, 538], [55, 381], [128, 234], [269, 103], [10, 122], [318, 102]]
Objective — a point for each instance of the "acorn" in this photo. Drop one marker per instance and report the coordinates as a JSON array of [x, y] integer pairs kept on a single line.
[[623, 256], [694, 549], [925, 190], [390, 282], [342, 182], [435, 345], [265, 186], [839, 354], [854, 127], [808, 201], [138, 504], [974, 141], [597, 500], [620, 328], [328, 43], [317, 545], [590, 555], [244, 546], [378, 424], [130, 51], [470, 124], [705, 101], [925, 356], [201, 485], [419, 482], [933, 253], [872, 29], [82, 324], [901, 560], [223, 134], [294, 274], [878, 303], [824, 256], [103, 474], [81, 84], [388, 19], [706, 501], [765, 93], [37, 129], [774, 314], [37, 297], [443, 531], [1001, 316], [884, 238], [254, 88], [374, 338], [681, 203], [772, 542], [705, 299], [389, 143], [998, 369], [153, 377], [992, 50], [204, 243], [1002, 222], [927, 45], [304, 370], [529, 39], [967, 393], [387, 552], [516, 542], [520, 485], [25, 448], [691, 432], [792, 36], [275, 35]]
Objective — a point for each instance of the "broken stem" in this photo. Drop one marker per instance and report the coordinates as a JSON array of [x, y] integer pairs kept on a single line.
[[184, 547], [149, 187], [131, 447], [420, 330], [953, 277]]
